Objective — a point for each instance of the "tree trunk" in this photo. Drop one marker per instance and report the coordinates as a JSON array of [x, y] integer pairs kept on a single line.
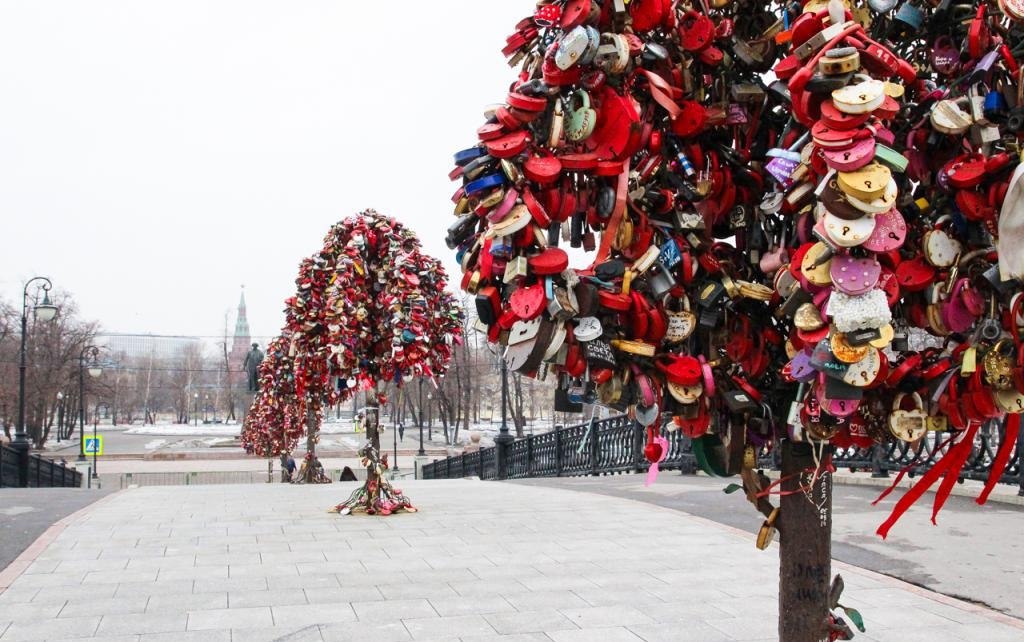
[[805, 551], [311, 434], [371, 424]]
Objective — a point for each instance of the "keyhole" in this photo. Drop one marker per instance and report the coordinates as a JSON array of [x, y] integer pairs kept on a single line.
[[864, 374], [893, 236], [1019, 405], [868, 183], [842, 404], [846, 155], [846, 230]]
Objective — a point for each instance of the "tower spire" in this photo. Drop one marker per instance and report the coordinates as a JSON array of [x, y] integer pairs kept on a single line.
[[242, 322]]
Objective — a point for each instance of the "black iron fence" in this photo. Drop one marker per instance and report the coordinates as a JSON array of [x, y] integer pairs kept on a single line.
[[616, 445], [41, 472]]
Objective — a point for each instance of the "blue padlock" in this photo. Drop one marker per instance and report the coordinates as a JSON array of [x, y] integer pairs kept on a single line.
[[995, 105]]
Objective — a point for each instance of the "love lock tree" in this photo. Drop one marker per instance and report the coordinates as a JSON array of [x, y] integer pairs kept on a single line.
[[770, 254], [388, 319], [273, 425], [370, 309]]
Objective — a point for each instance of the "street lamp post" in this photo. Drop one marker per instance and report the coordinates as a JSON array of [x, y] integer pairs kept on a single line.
[[94, 371], [195, 409], [504, 439], [206, 410], [430, 417], [421, 452], [95, 423], [44, 312], [60, 414]]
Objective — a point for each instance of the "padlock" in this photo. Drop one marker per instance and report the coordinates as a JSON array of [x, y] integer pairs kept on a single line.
[[516, 268], [660, 281]]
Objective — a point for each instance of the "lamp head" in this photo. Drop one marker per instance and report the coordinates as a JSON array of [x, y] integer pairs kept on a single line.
[[46, 310]]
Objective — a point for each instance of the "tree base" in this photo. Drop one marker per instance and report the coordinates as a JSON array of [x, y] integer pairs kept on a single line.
[[374, 500]]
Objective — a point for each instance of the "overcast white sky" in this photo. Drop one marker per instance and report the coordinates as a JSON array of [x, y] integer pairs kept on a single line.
[[154, 156]]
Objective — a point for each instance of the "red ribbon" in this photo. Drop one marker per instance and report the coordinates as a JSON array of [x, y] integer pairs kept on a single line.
[[948, 467], [1002, 457], [903, 471]]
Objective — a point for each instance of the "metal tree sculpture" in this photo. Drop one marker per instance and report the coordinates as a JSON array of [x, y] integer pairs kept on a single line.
[[370, 309], [273, 425], [388, 318]]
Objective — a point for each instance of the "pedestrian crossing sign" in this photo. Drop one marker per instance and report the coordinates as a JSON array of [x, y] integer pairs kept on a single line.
[[94, 445]]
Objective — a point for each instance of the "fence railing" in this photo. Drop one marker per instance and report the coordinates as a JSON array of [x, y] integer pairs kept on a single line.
[[41, 472], [616, 445]]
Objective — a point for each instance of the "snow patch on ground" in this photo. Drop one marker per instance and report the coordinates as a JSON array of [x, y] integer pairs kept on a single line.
[[183, 430]]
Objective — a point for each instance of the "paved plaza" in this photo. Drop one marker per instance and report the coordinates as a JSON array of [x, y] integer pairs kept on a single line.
[[482, 561]]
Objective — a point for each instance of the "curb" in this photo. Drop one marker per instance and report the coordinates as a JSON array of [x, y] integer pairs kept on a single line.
[[30, 554]]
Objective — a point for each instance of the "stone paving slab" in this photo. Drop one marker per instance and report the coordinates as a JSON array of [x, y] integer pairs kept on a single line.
[[481, 562]]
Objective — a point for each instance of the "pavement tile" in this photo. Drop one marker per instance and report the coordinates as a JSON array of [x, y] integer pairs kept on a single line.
[[139, 623], [42, 566], [421, 590], [185, 602], [291, 557], [458, 626], [607, 634], [519, 637], [537, 600], [539, 621], [386, 611], [49, 629], [474, 605], [120, 577], [273, 597], [682, 611], [554, 583], [305, 582], [225, 585], [33, 611], [349, 594], [63, 593], [167, 561], [747, 627], [489, 587], [675, 631], [328, 568], [362, 631], [50, 580], [18, 595], [193, 573], [105, 606], [285, 633], [594, 617], [187, 636], [306, 614], [230, 618]]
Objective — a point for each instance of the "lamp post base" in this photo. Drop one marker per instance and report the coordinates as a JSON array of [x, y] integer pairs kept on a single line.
[[21, 447]]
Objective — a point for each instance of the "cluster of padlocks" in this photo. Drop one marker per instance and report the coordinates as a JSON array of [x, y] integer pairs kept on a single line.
[[273, 425], [370, 308], [791, 220]]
